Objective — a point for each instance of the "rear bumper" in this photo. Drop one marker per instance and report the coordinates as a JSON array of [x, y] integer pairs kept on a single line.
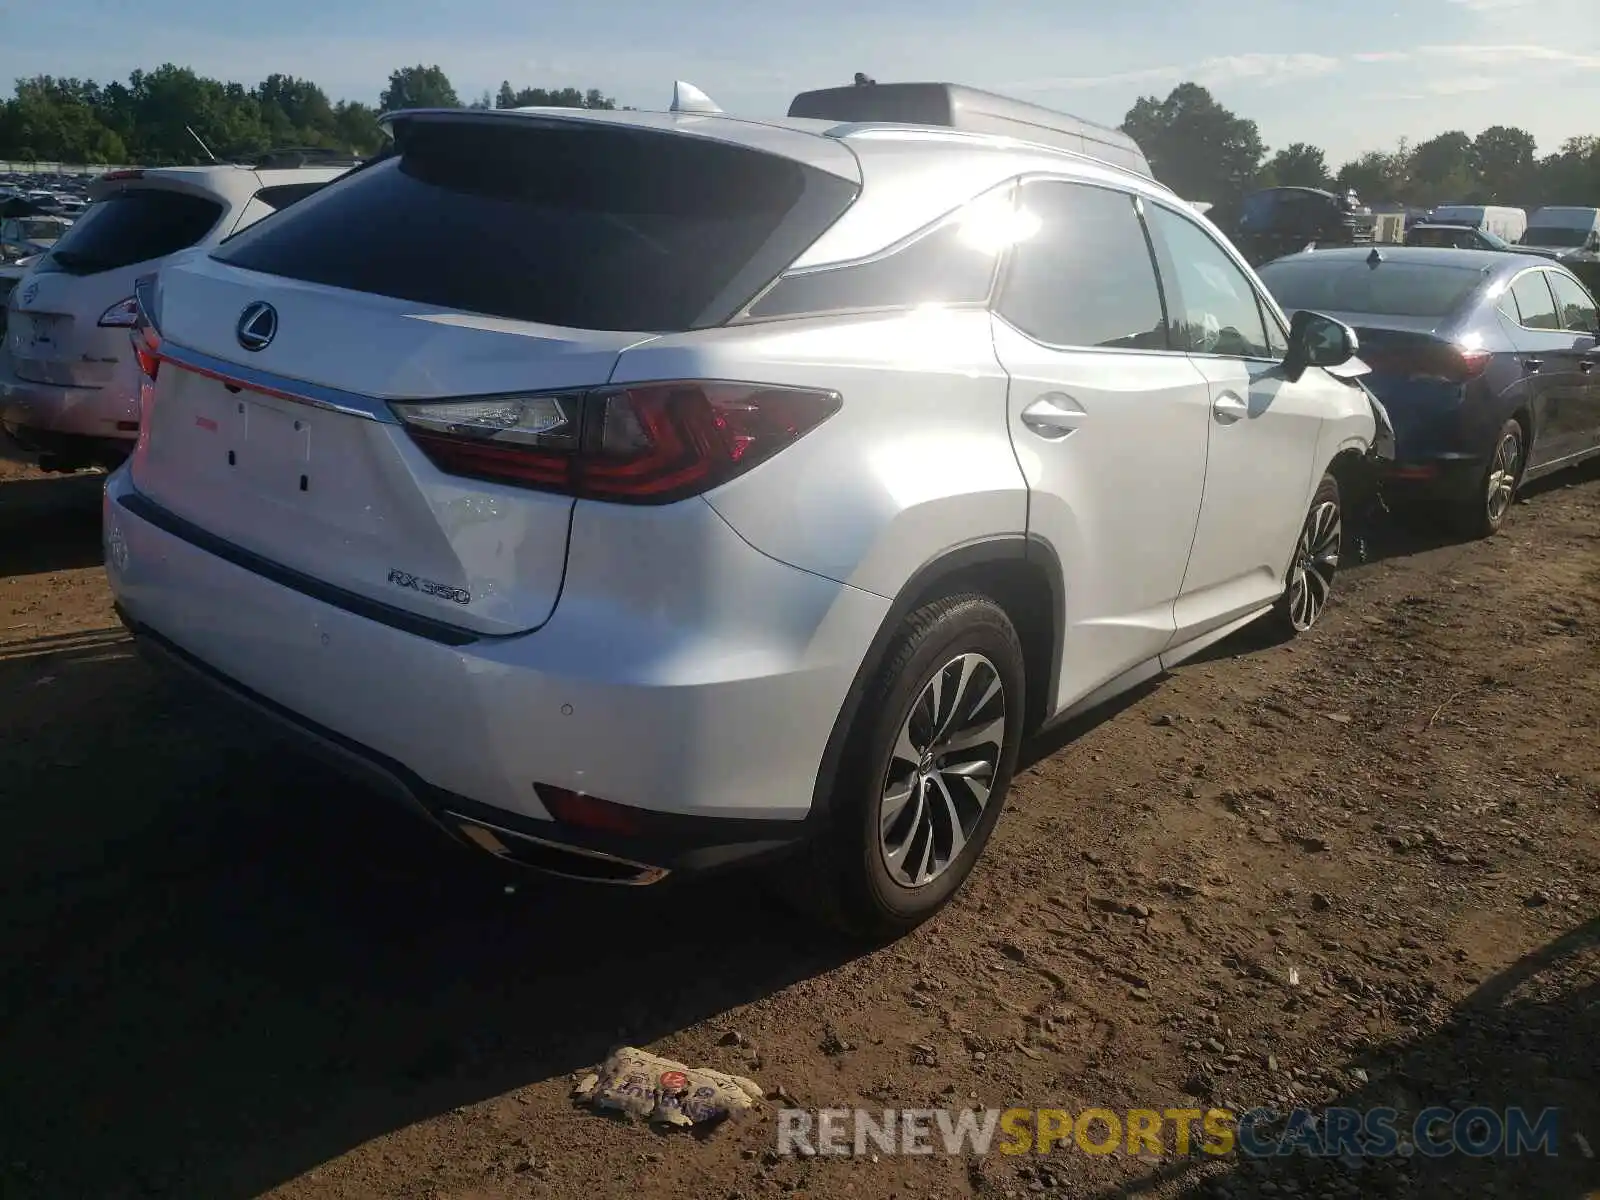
[[677, 844], [714, 750], [105, 418]]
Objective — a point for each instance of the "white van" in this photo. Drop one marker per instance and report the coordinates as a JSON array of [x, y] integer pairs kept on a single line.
[[1506, 223], [1560, 228]]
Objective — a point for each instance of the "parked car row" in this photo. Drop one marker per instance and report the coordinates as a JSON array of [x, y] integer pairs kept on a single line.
[[740, 492]]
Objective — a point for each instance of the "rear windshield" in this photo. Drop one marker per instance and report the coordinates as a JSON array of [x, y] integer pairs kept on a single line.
[[1554, 235], [571, 225], [130, 227], [1398, 289]]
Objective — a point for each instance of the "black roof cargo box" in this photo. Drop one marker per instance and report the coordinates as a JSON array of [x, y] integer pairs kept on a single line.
[[951, 106]]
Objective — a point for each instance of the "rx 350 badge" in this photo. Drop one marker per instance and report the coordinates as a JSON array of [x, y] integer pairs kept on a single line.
[[429, 588]]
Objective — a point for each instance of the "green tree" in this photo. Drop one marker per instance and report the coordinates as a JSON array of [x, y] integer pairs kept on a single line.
[[1442, 170], [356, 126], [568, 97], [1505, 160], [418, 87], [1377, 176], [1571, 175], [1296, 165], [1196, 146]]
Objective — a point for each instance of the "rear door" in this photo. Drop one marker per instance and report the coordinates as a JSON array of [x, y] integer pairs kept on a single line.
[[271, 428], [1109, 424]]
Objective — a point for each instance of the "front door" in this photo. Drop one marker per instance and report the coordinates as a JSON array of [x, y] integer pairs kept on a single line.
[[1262, 430], [1578, 315], [1551, 363]]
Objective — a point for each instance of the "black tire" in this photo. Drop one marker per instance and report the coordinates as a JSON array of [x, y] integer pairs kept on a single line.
[[848, 880], [1481, 512], [1309, 583]]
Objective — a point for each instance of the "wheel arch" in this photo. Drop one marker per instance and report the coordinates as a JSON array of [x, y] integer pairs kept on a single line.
[[1021, 573]]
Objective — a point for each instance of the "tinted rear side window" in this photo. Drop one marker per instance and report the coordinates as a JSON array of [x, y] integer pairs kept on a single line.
[[938, 268], [1535, 305], [1086, 278], [1397, 289], [133, 226], [583, 226]]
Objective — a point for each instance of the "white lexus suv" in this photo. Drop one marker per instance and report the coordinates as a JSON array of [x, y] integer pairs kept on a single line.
[[69, 381], [738, 491]]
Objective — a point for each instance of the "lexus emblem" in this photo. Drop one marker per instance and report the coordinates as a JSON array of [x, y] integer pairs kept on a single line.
[[258, 325]]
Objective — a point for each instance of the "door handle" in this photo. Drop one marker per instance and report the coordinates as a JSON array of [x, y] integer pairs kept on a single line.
[[1053, 416], [1532, 364], [1229, 408]]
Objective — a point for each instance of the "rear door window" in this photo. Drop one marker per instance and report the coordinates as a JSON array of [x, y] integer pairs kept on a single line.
[[1535, 305], [940, 267], [1575, 306], [1087, 276], [577, 225], [133, 226]]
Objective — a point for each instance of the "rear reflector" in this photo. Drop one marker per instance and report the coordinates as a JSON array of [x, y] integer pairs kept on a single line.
[[586, 812], [650, 443]]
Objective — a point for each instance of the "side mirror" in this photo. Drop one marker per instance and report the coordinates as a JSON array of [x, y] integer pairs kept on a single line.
[[1318, 341]]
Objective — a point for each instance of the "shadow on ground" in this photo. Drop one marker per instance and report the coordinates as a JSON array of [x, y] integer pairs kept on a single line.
[[49, 524], [1527, 1038], [220, 967]]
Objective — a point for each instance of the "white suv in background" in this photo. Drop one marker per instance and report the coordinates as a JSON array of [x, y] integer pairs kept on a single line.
[[739, 490], [69, 383]]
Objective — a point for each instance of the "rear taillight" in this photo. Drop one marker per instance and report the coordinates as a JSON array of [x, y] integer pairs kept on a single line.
[[649, 443], [124, 314], [1442, 363], [146, 335]]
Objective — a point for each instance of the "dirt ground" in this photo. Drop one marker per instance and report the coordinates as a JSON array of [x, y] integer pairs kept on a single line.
[[1361, 869]]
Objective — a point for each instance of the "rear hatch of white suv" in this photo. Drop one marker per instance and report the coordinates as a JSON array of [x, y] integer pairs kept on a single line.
[[351, 409], [73, 330]]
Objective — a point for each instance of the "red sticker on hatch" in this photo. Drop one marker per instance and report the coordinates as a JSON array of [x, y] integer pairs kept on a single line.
[[206, 423], [674, 1081]]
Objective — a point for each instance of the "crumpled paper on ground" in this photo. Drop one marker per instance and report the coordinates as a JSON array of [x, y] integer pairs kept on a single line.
[[641, 1084]]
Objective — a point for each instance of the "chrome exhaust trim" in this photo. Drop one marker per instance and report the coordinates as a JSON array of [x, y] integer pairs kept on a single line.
[[554, 858]]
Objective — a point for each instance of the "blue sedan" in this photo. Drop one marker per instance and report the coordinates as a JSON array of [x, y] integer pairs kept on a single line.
[[1488, 363]]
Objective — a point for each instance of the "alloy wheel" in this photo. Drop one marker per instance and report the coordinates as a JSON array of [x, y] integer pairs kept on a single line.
[[1316, 558], [942, 770], [1503, 470]]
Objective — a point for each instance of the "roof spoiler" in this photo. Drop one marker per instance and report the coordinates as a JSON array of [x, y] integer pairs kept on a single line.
[[953, 106]]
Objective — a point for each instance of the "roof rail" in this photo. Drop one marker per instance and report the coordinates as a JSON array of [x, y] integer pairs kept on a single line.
[[867, 129], [953, 106]]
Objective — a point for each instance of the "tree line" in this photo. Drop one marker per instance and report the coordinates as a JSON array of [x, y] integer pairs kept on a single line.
[[1200, 148], [147, 119], [1205, 152]]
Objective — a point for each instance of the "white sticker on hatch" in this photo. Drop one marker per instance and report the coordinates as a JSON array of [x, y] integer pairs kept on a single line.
[[429, 588]]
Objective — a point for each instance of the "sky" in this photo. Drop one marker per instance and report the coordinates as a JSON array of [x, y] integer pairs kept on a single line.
[[1348, 75]]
